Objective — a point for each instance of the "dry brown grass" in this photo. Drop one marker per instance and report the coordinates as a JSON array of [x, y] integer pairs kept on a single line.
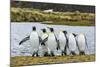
[[34, 15], [28, 60]]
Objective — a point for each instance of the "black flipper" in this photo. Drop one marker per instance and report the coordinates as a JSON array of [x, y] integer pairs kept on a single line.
[[43, 41], [77, 45], [40, 40], [23, 40], [58, 46], [86, 42], [66, 42]]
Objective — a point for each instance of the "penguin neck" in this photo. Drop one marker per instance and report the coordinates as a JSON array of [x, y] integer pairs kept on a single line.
[[65, 34], [44, 32], [34, 30], [51, 32]]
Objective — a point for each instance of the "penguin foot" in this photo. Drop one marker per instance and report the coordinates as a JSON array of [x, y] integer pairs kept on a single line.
[[73, 53], [52, 54], [33, 54], [82, 53], [63, 53], [49, 55], [46, 54], [37, 54]]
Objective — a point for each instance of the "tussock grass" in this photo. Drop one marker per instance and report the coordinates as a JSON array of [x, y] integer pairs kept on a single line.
[[36, 15], [28, 60]]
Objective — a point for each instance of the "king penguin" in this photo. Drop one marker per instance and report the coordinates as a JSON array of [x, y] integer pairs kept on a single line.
[[82, 43], [63, 41], [51, 42], [34, 41], [43, 47], [72, 44]]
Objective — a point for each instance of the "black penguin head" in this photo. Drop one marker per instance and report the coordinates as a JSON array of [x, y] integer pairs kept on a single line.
[[33, 28], [74, 34], [51, 29], [43, 30], [65, 32]]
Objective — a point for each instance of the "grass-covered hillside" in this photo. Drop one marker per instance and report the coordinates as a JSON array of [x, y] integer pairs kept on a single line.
[[62, 18]]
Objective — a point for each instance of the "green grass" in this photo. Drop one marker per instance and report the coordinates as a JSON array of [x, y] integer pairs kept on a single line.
[[63, 18], [28, 60]]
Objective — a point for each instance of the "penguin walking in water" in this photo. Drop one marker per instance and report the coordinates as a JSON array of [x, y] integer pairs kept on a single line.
[[72, 45], [51, 42], [82, 43], [34, 41], [63, 41]]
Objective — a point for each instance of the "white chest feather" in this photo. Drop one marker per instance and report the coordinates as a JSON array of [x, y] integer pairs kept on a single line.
[[34, 40], [62, 40], [81, 42], [52, 44], [72, 42]]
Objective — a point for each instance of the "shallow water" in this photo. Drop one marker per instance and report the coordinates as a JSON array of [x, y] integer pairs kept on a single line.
[[21, 30]]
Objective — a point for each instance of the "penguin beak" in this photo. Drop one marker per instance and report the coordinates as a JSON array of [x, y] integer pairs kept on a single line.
[[74, 34], [41, 29], [48, 27]]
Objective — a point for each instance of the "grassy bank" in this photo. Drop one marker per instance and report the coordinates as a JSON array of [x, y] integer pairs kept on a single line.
[[28, 60], [74, 23], [62, 18]]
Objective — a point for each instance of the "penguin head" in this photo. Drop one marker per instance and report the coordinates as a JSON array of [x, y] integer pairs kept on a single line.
[[51, 29], [33, 28], [65, 32], [43, 30], [74, 34]]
